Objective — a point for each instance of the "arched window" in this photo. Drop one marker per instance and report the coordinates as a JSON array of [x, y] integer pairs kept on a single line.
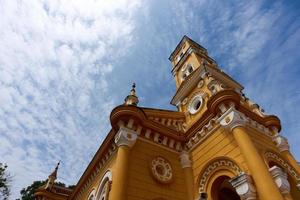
[[186, 71], [104, 187], [92, 195]]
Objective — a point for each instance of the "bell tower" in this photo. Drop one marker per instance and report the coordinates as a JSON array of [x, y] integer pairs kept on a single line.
[[197, 77]]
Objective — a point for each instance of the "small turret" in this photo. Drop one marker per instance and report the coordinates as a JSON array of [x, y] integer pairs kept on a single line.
[[132, 99]]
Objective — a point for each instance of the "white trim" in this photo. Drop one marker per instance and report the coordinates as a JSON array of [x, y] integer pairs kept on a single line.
[[107, 177], [93, 192]]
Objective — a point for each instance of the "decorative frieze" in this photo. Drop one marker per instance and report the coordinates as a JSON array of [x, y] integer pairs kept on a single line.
[[202, 134], [244, 187], [173, 123]]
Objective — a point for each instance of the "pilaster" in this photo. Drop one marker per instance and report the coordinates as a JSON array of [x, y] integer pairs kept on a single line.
[[124, 139], [235, 122], [186, 165]]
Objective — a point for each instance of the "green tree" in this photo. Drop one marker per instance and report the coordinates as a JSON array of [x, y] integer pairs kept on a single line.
[[5, 179], [28, 193]]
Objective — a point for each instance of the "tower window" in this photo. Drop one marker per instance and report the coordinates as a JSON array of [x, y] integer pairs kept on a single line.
[[190, 69], [195, 104]]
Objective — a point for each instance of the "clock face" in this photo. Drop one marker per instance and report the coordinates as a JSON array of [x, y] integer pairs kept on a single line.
[[195, 104], [161, 170]]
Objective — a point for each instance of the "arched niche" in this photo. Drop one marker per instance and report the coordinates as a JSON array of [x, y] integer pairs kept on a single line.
[[104, 186], [218, 172]]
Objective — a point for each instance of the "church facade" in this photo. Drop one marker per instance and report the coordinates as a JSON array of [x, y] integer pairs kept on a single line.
[[218, 145]]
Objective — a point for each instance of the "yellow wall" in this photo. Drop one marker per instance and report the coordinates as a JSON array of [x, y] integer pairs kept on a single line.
[[141, 185], [220, 144]]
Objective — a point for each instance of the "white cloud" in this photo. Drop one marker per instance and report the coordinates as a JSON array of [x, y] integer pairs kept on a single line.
[[54, 57]]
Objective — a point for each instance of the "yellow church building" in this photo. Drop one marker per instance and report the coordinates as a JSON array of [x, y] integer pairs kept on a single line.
[[218, 145]]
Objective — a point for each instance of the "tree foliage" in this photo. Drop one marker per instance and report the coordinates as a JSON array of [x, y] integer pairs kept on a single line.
[[28, 193], [5, 179]]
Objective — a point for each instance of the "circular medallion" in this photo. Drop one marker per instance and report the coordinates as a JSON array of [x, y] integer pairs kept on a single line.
[[161, 170], [195, 104], [200, 84]]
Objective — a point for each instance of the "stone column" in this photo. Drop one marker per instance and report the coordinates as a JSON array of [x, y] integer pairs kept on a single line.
[[281, 181], [125, 139], [244, 187], [284, 148], [186, 165], [235, 121]]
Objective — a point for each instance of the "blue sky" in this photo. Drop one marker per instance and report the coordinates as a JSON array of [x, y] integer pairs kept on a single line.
[[65, 64]]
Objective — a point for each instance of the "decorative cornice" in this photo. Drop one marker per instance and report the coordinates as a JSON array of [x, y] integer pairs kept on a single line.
[[185, 159], [243, 185], [280, 178], [281, 143], [125, 137], [202, 134]]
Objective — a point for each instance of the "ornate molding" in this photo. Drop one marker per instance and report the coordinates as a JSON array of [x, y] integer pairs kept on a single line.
[[243, 185], [185, 159], [217, 164], [125, 137], [203, 133], [280, 179], [282, 143], [232, 119], [290, 170]]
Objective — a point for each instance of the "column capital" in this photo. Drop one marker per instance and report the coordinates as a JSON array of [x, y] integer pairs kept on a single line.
[[125, 137], [282, 143], [185, 159], [244, 186], [232, 119], [280, 179]]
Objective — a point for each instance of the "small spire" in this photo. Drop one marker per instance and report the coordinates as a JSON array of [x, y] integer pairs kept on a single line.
[[52, 177], [54, 173], [132, 99]]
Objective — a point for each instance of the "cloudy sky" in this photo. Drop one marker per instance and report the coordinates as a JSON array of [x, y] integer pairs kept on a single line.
[[65, 64]]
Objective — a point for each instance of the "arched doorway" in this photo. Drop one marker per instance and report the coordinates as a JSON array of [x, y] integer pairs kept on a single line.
[[223, 190]]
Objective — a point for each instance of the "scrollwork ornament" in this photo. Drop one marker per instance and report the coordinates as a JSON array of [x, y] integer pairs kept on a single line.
[[232, 119], [125, 137]]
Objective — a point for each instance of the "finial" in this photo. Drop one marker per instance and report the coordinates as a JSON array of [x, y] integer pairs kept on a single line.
[[56, 168], [52, 177], [132, 99], [132, 91]]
